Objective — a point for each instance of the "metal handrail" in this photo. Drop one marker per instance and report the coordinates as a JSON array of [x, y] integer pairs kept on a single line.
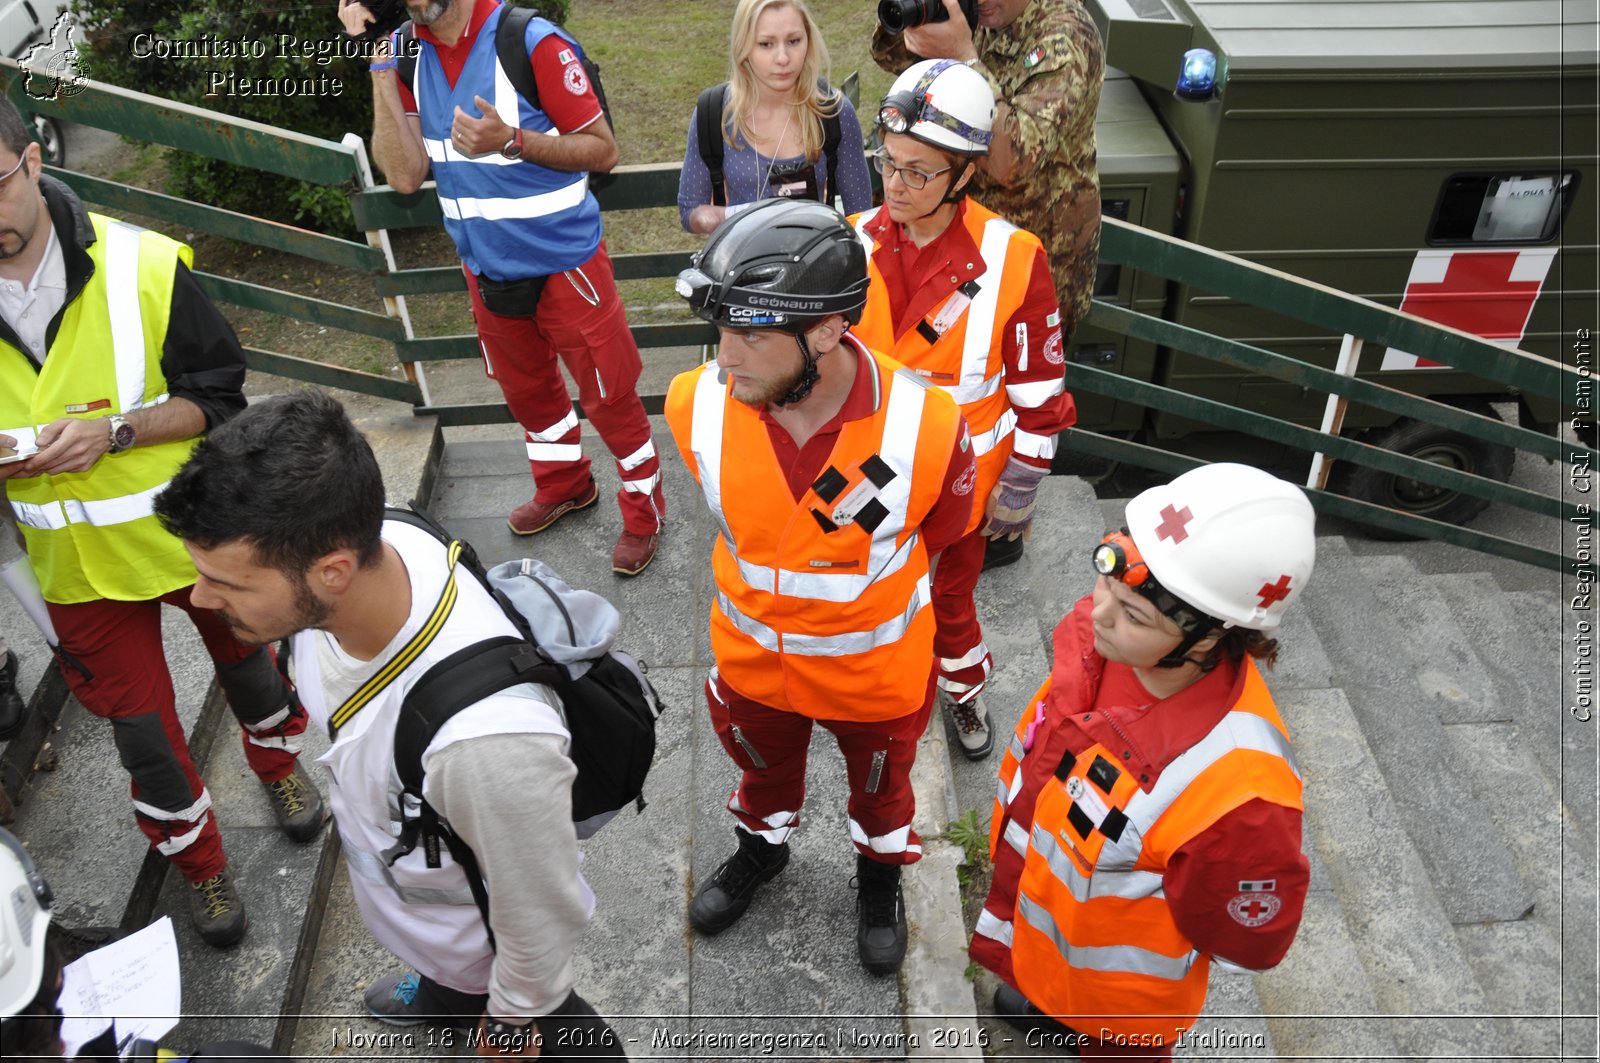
[[379, 208]]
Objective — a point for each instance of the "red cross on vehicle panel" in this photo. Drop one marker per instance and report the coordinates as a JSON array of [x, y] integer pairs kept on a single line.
[[1271, 593], [1174, 524]]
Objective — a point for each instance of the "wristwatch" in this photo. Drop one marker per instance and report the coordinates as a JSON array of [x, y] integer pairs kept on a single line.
[[121, 433], [513, 148], [508, 1038]]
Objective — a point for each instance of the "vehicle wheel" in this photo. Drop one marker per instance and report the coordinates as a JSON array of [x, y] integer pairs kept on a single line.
[[1428, 442], [52, 142]]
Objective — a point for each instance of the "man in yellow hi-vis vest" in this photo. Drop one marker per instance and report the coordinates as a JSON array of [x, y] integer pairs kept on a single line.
[[112, 362]]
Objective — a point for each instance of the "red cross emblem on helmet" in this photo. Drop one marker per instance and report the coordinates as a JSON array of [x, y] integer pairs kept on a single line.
[[1174, 524], [1272, 593]]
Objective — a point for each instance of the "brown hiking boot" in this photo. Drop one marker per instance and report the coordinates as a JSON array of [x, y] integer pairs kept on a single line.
[[633, 553], [297, 805], [217, 910], [536, 516]]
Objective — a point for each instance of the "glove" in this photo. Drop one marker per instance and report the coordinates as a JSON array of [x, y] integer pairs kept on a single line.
[[1009, 511]]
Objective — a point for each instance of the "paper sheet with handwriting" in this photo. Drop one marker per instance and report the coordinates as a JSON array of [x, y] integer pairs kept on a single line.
[[132, 983]]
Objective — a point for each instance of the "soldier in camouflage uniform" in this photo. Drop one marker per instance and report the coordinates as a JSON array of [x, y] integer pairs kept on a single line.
[[1045, 62]]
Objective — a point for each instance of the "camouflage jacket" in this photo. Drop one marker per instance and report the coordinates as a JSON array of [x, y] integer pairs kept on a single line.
[[1047, 66]]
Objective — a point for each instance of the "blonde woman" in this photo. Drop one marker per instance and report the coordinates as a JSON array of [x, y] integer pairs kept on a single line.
[[774, 128]]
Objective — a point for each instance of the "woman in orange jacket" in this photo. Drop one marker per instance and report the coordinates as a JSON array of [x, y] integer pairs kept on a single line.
[[1148, 817]]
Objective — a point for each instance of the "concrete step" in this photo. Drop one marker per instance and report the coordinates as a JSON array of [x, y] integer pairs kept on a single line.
[[1519, 636], [1397, 926], [1354, 618], [1443, 658], [1543, 965]]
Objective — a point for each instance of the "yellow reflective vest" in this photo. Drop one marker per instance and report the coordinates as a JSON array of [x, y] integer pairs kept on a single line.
[[92, 534]]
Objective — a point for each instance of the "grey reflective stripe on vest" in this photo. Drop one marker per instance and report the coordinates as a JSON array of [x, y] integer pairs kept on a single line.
[[835, 645], [1236, 730], [1109, 958], [975, 382], [127, 317], [902, 421], [1016, 836], [101, 513], [1126, 884], [983, 442], [371, 867], [705, 443], [506, 102]]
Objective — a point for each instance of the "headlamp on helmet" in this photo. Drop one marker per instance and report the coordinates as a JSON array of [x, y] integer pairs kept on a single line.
[[943, 103]]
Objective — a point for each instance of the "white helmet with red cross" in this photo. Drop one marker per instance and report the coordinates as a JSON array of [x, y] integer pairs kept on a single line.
[[943, 103], [1228, 539]]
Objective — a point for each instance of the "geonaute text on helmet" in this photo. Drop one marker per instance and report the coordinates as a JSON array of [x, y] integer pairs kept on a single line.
[[784, 302]]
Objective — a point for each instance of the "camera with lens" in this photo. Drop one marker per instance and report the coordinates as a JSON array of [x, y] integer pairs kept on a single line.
[[386, 18], [897, 16]]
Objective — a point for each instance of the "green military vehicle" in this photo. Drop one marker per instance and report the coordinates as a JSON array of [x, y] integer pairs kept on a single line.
[[1434, 156]]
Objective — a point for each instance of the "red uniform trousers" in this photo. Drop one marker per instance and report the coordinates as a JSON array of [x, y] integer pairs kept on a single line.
[[770, 745], [119, 643], [963, 658], [580, 319]]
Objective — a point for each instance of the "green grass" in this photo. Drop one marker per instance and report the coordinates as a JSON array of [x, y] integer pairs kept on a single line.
[[656, 56]]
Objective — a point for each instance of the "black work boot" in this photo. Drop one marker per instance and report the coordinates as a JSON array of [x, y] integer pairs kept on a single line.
[[881, 931], [13, 710], [998, 553], [723, 899]]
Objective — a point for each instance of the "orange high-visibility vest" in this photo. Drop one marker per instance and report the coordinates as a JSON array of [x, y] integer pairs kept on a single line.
[[822, 606], [966, 360], [1092, 939]]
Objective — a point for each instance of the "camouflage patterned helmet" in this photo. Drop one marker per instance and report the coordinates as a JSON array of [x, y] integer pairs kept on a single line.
[[783, 264]]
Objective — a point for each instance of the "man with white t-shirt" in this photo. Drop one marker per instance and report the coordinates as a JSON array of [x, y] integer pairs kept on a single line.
[[372, 604]]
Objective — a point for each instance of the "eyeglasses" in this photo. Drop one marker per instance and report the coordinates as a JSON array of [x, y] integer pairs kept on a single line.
[[915, 180], [6, 177]]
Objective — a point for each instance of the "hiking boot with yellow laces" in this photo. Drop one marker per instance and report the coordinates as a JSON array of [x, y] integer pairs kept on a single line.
[[217, 910], [297, 805]]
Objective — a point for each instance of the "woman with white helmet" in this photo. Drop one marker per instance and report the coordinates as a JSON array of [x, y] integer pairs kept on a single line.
[[1148, 817], [775, 128], [966, 300], [33, 955]]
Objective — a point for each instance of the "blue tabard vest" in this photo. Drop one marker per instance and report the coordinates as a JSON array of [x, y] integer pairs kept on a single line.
[[509, 219]]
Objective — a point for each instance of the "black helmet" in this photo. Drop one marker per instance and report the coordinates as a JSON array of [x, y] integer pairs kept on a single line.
[[781, 264]]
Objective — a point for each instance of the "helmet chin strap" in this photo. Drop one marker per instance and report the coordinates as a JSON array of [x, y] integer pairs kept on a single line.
[[808, 375], [1180, 653]]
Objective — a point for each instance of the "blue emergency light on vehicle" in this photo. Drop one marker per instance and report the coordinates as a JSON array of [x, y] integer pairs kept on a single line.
[[1197, 77]]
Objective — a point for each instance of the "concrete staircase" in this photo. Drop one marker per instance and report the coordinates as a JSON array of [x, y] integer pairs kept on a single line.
[[1450, 824]]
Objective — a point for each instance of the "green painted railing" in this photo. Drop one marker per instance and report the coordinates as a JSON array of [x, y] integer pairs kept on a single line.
[[378, 210]]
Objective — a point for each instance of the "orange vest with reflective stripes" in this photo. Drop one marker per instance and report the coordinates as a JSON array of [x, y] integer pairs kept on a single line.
[[1091, 937], [822, 605], [966, 360]]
